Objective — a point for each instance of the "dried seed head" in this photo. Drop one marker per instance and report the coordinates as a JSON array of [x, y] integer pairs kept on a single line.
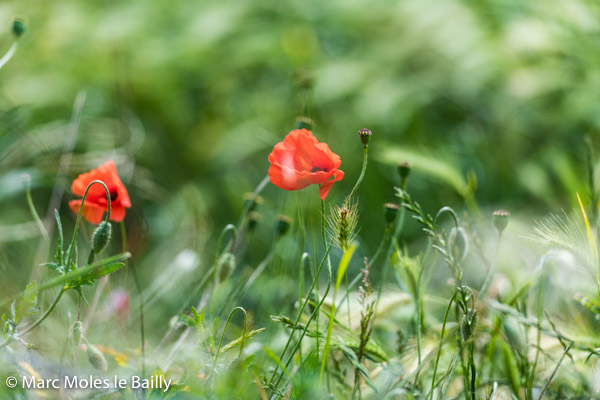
[[365, 134], [500, 219], [101, 236], [76, 332], [390, 211], [458, 243], [283, 225], [96, 358]]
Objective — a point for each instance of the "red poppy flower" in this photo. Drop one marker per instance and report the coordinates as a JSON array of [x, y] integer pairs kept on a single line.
[[300, 160], [96, 204]]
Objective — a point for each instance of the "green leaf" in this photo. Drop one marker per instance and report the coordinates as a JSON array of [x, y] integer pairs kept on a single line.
[[89, 277], [87, 271], [27, 303], [59, 247], [54, 266], [351, 356]]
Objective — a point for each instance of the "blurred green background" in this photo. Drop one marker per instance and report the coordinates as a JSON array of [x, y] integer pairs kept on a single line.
[[189, 98]]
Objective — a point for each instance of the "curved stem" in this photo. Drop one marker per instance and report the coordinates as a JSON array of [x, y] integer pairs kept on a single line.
[[361, 176], [8, 54]]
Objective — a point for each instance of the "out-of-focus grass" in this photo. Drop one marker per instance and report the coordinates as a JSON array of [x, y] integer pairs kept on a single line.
[[189, 98]]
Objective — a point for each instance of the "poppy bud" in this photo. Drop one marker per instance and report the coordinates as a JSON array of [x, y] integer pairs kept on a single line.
[[252, 201], [303, 122], [404, 169], [458, 243], [390, 211], [468, 324], [76, 332], [18, 26], [225, 266], [96, 358], [283, 225], [515, 334], [101, 237], [500, 219], [253, 220], [365, 135]]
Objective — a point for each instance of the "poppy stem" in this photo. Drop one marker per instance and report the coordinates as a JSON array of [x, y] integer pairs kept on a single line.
[[360, 177]]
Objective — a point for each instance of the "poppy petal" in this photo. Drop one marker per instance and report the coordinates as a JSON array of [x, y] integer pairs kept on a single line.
[[93, 213], [326, 187]]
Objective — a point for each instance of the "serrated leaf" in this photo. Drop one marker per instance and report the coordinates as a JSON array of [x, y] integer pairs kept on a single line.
[[90, 269], [90, 276], [27, 303]]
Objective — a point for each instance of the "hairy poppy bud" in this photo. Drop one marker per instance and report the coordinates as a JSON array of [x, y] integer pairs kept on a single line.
[[500, 219], [458, 243], [96, 358], [18, 26], [225, 266], [76, 332], [303, 122], [365, 135], [283, 225], [253, 220], [252, 201], [390, 211], [101, 237]]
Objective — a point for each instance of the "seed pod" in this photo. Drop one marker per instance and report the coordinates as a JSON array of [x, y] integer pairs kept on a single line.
[[101, 236], [303, 122], [76, 332], [365, 135], [253, 220], [252, 201], [225, 266], [404, 169], [458, 243], [96, 358], [19, 26], [283, 225], [500, 219], [468, 324], [390, 211], [515, 334]]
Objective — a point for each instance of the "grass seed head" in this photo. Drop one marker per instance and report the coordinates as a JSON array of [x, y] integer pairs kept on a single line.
[[342, 223]]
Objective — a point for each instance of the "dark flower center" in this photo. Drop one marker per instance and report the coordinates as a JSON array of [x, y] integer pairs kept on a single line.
[[317, 169], [113, 194]]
